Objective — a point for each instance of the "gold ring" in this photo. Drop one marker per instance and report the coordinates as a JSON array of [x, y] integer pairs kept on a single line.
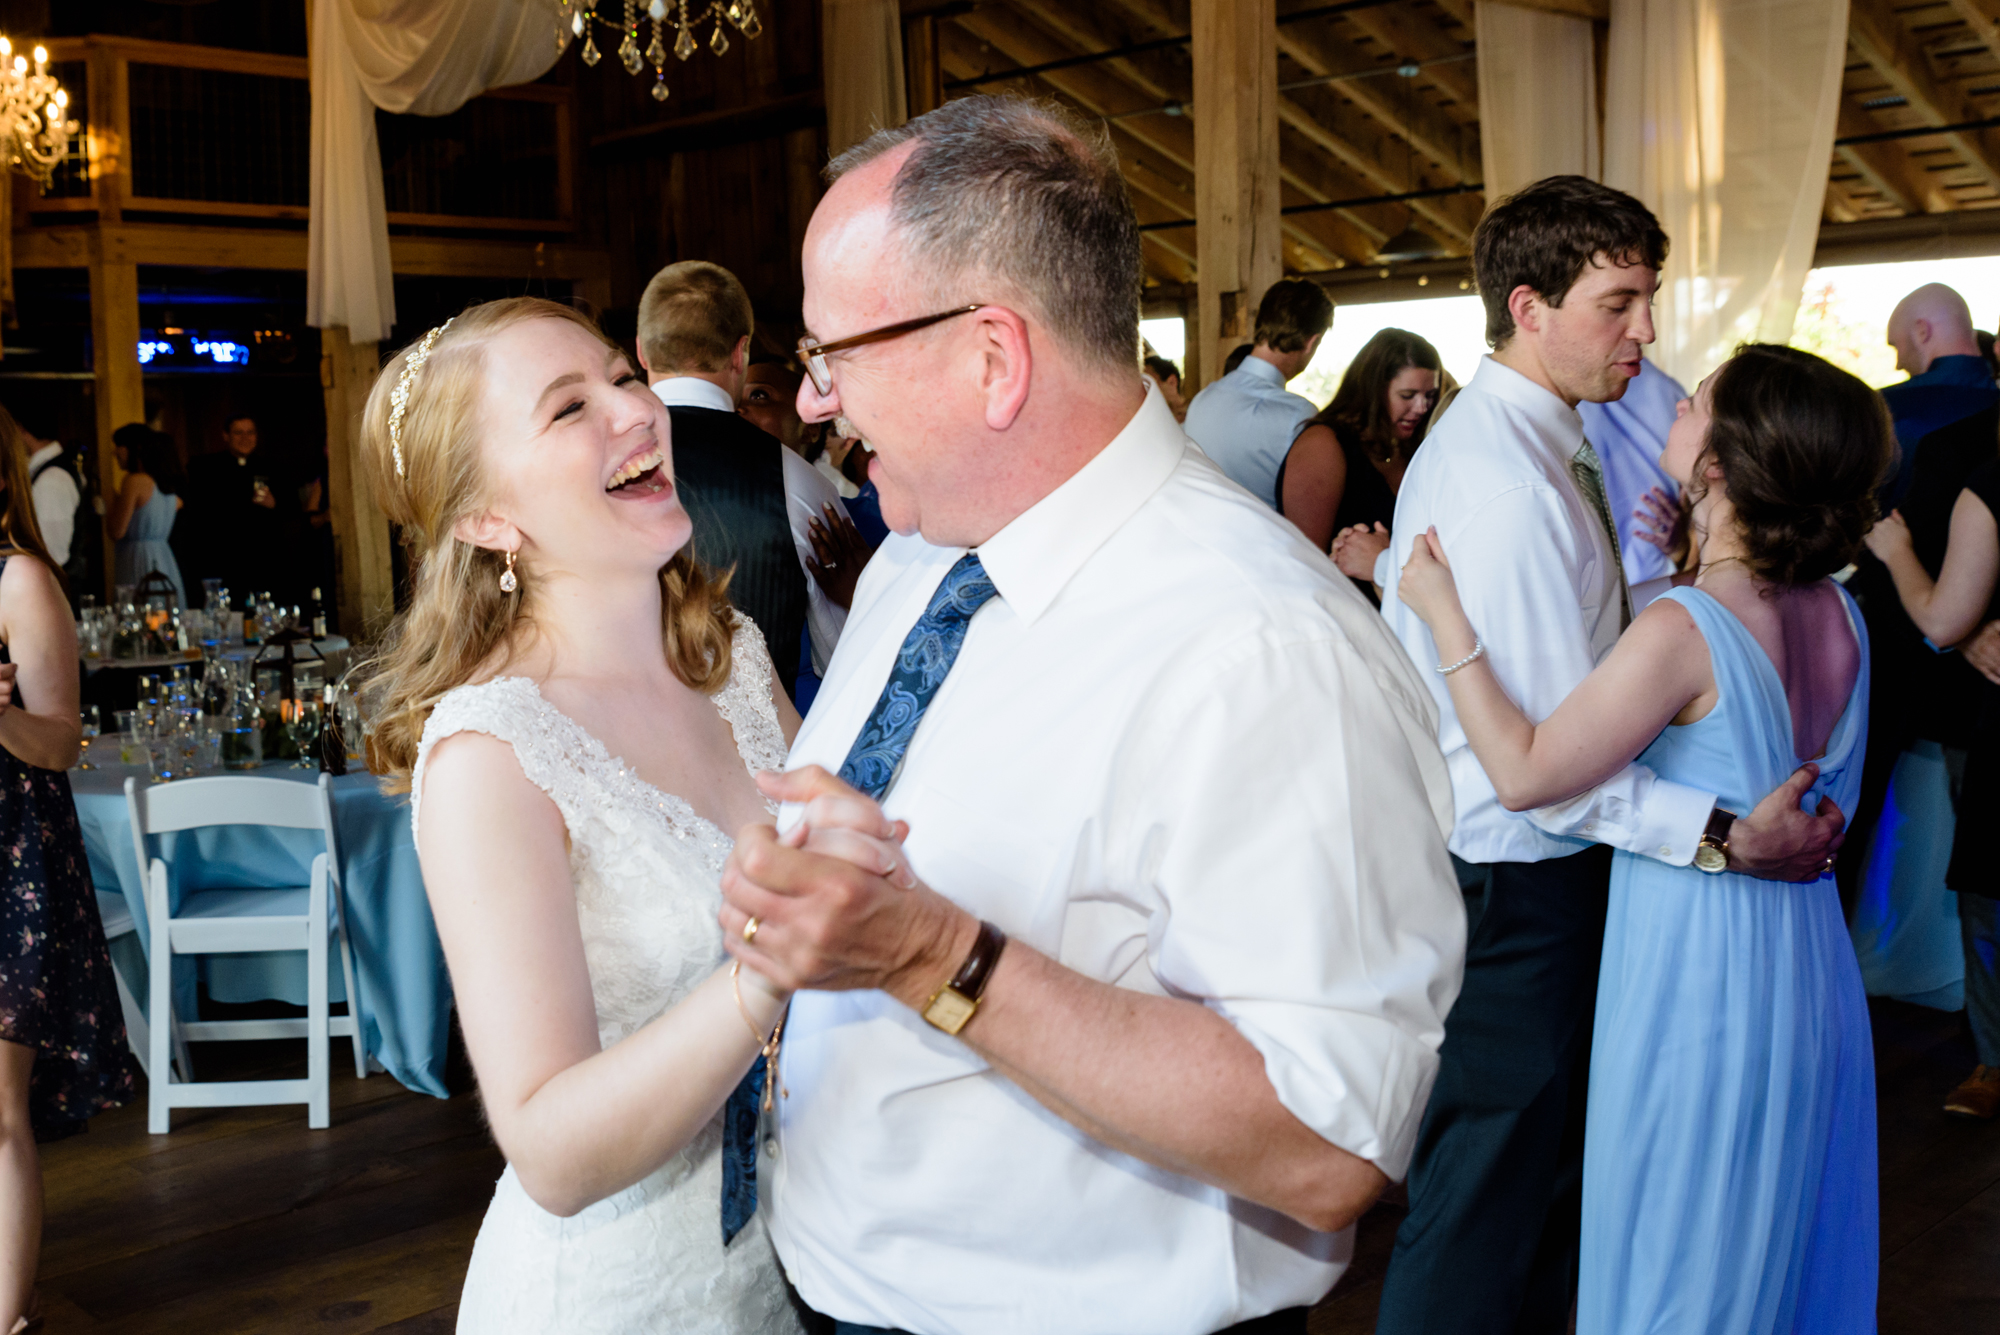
[[750, 930]]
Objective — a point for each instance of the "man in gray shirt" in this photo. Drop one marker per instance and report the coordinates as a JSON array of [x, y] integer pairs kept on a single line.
[[1247, 420]]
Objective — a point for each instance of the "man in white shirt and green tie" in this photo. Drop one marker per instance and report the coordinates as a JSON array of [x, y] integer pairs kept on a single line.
[[1567, 269]]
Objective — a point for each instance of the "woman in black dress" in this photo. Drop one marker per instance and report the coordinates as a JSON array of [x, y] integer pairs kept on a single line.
[[1949, 592], [1344, 468], [62, 1037]]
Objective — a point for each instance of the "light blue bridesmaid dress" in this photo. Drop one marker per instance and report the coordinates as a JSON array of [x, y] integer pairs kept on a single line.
[[1729, 1161], [144, 547]]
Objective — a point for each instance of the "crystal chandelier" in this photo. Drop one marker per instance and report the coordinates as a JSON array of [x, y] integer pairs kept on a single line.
[[581, 18], [34, 129]]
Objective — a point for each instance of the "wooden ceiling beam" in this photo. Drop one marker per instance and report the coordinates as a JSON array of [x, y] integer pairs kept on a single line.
[[1344, 136], [1876, 31], [1886, 166], [1342, 240], [1408, 35], [1838, 207], [1979, 21]]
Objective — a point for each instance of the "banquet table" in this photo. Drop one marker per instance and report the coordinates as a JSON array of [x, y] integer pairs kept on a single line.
[[405, 990]]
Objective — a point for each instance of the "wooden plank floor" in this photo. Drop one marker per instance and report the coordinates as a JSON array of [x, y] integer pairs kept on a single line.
[[244, 1221]]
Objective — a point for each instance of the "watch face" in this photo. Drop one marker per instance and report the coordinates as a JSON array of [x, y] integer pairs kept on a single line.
[[949, 1011], [1710, 859]]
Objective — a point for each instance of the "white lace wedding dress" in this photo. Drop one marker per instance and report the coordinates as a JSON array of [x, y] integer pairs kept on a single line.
[[647, 868]]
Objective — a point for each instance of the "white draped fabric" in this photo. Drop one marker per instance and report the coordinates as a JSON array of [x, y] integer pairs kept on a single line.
[[1537, 97], [1720, 115], [426, 57], [861, 49]]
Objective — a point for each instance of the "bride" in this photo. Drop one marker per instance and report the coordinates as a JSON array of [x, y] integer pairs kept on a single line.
[[577, 714]]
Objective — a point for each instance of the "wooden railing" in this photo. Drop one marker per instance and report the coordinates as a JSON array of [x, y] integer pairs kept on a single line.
[[195, 130]]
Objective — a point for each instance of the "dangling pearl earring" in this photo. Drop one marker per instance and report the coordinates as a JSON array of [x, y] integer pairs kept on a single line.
[[507, 581]]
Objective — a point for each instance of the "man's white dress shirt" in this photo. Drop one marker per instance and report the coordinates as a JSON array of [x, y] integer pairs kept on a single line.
[[1539, 584], [1178, 753], [1630, 434], [1246, 422], [805, 492], [56, 496]]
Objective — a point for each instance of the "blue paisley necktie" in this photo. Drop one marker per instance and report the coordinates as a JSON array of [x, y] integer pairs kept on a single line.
[[739, 1152], [927, 654]]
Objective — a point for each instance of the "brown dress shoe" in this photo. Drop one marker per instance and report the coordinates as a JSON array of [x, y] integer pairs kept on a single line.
[[1979, 1096]]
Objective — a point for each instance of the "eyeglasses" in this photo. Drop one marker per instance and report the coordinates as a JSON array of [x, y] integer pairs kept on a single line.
[[812, 352]]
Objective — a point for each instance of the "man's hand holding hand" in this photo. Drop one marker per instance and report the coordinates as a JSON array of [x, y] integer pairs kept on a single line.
[[838, 906]]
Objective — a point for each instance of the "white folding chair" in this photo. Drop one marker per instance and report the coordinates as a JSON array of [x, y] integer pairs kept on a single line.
[[223, 921], [116, 915]]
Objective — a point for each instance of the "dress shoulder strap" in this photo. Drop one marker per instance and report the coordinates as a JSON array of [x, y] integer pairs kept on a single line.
[[745, 703], [551, 748]]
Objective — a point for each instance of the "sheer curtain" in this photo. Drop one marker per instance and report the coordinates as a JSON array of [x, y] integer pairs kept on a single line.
[[1720, 115], [427, 57], [1537, 97], [861, 47]]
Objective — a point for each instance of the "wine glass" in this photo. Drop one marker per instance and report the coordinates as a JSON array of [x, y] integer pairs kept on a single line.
[[305, 733], [92, 726]]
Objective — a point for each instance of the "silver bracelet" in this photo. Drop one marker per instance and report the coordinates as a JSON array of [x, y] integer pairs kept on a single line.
[[1478, 648]]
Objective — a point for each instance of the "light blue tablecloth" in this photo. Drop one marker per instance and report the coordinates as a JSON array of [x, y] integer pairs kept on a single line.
[[406, 993]]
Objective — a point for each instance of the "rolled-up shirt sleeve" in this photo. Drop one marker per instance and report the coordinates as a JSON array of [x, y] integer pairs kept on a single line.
[[1303, 887]]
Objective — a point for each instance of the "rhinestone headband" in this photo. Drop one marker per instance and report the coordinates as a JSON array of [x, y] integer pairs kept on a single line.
[[399, 401]]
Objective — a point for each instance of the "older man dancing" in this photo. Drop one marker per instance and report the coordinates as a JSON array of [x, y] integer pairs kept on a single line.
[[1158, 1021]]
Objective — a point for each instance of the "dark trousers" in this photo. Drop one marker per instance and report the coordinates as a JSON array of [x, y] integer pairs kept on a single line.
[[1496, 1189], [1291, 1321]]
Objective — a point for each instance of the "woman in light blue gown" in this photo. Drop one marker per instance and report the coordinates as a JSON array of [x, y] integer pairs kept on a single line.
[[141, 516], [1729, 1156]]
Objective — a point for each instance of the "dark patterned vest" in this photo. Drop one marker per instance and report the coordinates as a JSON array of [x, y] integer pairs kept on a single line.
[[731, 478]]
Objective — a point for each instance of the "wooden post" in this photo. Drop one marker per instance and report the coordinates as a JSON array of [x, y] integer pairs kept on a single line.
[[114, 336], [923, 64], [364, 578], [1235, 47]]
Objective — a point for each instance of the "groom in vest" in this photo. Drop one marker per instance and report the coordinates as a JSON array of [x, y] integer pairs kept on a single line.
[[1142, 1015], [1567, 269], [695, 324]]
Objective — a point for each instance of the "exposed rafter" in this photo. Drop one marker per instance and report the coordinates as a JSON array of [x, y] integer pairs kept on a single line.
[[1887, 168], [1879, 36]]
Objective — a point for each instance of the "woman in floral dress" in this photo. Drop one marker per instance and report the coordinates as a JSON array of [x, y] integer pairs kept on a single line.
[[62, 1038]]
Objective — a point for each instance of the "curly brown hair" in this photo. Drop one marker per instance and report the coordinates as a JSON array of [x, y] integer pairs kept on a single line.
[[1802, 446], [458, 621]]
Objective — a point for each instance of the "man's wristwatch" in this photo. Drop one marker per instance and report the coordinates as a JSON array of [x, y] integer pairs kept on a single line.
[[1712, 853], [953, 1005]]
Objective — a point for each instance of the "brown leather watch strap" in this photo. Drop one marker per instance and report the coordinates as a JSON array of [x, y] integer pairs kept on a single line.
[[970, 980]]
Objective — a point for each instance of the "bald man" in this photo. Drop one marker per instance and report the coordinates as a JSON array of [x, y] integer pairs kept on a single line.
[[1931, 331]]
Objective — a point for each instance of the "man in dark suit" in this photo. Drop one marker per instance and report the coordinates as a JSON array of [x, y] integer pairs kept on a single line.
[[694, 343], [241, 521]]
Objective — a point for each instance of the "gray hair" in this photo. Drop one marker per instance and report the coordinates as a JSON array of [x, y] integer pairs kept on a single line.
[[1025, 192]]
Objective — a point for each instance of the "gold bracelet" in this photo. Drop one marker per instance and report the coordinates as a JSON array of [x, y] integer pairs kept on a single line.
[[736, 986], [767, 1047]]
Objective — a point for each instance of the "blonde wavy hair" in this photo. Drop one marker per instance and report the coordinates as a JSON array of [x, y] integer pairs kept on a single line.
[[458, 620]]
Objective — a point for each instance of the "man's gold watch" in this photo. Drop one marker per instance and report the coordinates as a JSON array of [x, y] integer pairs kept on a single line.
[[952, 1006], [1712, 853]]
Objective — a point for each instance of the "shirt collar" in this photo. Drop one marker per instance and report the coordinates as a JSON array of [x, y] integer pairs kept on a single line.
[[1959, 369], [1256, 368], [691, 391], [44, 454], [1562, 423], [1032, 558]]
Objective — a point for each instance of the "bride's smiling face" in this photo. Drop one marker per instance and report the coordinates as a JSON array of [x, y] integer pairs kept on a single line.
[[578, 456]]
